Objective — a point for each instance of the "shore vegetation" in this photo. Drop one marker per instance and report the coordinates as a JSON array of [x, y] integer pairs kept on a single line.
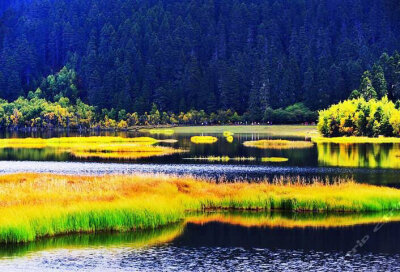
[[38, 205]]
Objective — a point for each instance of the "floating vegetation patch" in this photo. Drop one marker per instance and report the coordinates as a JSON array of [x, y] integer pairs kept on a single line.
[[162, 131], [203, 139], [229, 139], [37, 205], [278, 144], [97, 147], [274, 159], [221, 159], [228, 133]]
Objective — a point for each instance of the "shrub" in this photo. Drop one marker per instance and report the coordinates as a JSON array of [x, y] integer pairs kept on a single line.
[[358, 117]]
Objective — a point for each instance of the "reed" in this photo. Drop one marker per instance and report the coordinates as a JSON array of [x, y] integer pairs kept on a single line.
[[37, 205], [278, 144]]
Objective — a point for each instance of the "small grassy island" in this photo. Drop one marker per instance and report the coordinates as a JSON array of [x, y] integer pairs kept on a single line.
[[37, 205], [278, 144]]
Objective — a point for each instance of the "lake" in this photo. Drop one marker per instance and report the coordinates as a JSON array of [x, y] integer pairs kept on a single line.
[[222, 241]]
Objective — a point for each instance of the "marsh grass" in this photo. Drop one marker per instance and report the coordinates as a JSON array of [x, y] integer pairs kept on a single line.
[[37, 205], [97, 147], [203, 139], [278, 144]]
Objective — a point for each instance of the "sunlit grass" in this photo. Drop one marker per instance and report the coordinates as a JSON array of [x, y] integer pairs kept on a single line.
[[278, 144], [274, 159], [97, 147], [37, 205], [203, 139], [356, 140]]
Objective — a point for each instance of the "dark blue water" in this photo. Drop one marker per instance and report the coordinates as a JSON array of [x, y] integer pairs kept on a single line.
[[224, 247]]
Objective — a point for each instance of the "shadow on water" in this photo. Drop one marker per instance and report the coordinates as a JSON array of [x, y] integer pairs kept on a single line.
[[267, 230]]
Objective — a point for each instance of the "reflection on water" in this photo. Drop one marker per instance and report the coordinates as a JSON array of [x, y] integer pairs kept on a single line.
[[218, 242], [360, 155]]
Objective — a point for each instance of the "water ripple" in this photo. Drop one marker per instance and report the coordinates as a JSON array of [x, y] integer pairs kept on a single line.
[[171, 258]]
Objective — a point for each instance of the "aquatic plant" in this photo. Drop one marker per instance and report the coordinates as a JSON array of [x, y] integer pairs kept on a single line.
[[274, 159], [203, 139], [278, 144], [37, 205]]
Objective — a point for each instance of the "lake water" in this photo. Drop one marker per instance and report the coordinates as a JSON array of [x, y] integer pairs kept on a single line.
[[221, 245]]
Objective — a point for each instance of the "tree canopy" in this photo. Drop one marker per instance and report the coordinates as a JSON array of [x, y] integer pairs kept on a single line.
[[248, 56]]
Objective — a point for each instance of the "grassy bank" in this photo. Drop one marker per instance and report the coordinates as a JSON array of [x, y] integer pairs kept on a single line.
[[33, 205], [280, 130]]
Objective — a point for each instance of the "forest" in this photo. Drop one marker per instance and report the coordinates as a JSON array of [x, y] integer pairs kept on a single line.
[[248, 57]]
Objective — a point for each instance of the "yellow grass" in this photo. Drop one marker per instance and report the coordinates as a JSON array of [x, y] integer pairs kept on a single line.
[[274, 159], [97, 147], [278, 144], [203, 139], [36, 205], [356, 140]]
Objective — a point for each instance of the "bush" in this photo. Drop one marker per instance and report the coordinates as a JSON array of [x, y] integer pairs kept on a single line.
[[358, 117]]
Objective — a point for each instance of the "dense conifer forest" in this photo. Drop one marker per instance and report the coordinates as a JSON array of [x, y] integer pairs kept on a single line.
[[252, 57]]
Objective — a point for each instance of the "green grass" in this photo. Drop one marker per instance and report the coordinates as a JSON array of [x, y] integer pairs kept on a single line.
[[278, 130]]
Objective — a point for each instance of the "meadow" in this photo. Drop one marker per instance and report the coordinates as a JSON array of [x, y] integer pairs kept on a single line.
[[40, 205]]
